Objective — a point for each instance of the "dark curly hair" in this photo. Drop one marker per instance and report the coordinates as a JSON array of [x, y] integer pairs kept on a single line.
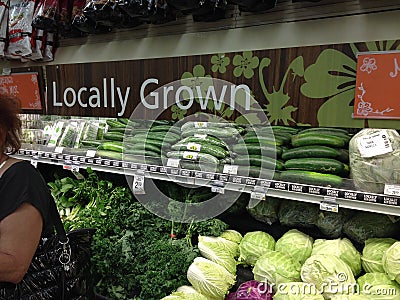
[[10, 123]]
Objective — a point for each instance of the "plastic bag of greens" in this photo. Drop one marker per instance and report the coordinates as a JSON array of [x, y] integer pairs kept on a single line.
[[365, 225], [298, 214], [266, 211], [331, 224]]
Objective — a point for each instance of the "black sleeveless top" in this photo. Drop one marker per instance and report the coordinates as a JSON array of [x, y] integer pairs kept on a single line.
[[21, 183]]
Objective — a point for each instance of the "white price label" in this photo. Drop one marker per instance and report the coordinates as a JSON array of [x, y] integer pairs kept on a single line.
[[392, 189], [190, 155], [230, 169], [218, 189], [34, 161], [173, 162], [200, 136], [75, 167], [258, 196], [374, 144], [91, 153], [200, 124], [138, 184], [59, 149], [328, 206], [193, 147]]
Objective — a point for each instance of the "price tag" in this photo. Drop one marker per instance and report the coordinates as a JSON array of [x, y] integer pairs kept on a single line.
[[200, 124], [34, 161], [59, 149], [329, 206], [374, 144], [190, 155], [392, 189], [217, 189], [138, 184], [173, 162], [75, 167], [193, 147], [230, 169], [91, 153], [200, 136], [257, 196]]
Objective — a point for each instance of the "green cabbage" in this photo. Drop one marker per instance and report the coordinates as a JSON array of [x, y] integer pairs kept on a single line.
[[348, 297], [253, 245], [329, 273], [232, 235], [185, 293], [342, 248], [209, 278], [391, 262], [378, 286], [276, 267], [297, 291], [372, 254], [220, 251], [295, 243]]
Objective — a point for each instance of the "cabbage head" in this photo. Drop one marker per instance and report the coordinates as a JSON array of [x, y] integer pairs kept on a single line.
[[210, 279], [295, 243], [253, 245], [185, 294], [329, 273], [220, 251], [275, 267], [342, 248], [372, 254], [391, 262], [232, 235], [378, 286], [297, 291], [348, 297]]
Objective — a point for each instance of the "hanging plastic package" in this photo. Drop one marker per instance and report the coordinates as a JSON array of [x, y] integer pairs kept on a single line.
[[19, 28], [102, 12], [158, 12], [82, 22], [44, 16], [3, 26], [210, 11], [37, 46], [49, 47]]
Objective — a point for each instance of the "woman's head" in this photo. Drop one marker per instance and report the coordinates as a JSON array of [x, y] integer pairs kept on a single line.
[[10, 124]]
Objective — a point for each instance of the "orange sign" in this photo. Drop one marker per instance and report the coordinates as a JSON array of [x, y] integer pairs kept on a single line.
[[25, 87], [377, 94]]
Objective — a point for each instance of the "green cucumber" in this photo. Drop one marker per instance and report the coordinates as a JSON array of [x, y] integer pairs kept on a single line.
[[263, 140], [257, 172], [113, 136], [165, 128], [309, 177], [201, 157], [111, 146], [257, 160], [311, 151], [224, 133], [93, 143], [312, 138], [277, 128], [168, 137], [343, 155], [109, 154], [141, 140], [142, 146], [211, 140], [216, 151], [142, 152], [114, 123], [269, 150], [325, 130], [321, 165]]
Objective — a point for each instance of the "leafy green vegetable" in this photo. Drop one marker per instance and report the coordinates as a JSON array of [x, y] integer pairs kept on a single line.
[[209, 278], [266, 211], [297, 291], [253, 245], [275, 267], [296, 244], [391, 262], [331, 223], [298, 214], [378, 286], [372, 254], [342, 248], [232, 235]]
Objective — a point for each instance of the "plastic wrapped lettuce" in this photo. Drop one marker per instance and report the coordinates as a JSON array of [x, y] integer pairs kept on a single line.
[[220, 251], [365, 225], [371, 259], [378, 286], [374, 159], [275, 267], [210, 279], [297, 291], [296, 244], [331, 223], [253, 245], [232, 235], [265, 211], [342, 248], [391, 262], [329, 273], [298, 214]]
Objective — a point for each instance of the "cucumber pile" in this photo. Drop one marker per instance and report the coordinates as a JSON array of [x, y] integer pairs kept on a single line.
[[317, 156]]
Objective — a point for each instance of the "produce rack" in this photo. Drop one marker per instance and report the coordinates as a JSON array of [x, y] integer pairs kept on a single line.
[[329, 199]]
